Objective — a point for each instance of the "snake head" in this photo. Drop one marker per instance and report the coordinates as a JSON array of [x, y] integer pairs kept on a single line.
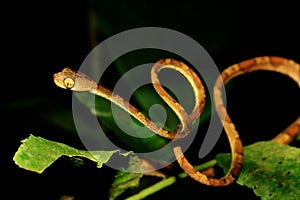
[[74, 80]]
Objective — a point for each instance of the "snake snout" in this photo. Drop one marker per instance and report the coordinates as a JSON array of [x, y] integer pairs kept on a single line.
[[58, 80]]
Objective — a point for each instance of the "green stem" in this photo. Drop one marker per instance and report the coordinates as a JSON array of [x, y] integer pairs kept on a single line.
[[168, 181], [153, 188]]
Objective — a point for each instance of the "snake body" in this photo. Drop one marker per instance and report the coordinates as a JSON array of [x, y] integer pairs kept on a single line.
[[77, 81]]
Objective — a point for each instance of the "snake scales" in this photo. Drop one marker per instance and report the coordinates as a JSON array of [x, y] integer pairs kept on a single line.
[[77, 81]]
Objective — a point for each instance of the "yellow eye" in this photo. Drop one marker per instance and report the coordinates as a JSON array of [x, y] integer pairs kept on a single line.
[[69, 83]]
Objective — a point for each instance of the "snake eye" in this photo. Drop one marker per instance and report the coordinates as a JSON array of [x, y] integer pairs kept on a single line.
[[69, 83]]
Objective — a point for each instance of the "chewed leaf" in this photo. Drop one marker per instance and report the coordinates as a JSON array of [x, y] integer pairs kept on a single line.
[[36, 154], [272, 170]]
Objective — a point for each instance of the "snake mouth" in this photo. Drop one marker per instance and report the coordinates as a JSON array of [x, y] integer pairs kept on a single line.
[[55, 76], [58, 80]]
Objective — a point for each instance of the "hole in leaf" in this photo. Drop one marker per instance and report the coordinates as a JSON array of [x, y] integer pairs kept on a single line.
[[270, 194], [288, 173], [280, 162], [264, 158], [280, 185], [255, 187]]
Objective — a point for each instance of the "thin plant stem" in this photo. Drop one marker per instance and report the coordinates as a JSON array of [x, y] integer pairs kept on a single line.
[[168, 181]]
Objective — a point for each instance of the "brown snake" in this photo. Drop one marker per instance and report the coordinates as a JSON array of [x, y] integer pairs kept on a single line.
[[77, 81]]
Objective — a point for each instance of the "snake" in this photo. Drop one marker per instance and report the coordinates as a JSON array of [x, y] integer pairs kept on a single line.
[[80, 82]]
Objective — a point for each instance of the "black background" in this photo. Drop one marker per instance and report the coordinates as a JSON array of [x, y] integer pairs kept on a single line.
[[41, 38]]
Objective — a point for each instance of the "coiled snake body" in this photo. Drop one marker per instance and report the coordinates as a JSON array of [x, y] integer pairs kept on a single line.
[[77, 81]]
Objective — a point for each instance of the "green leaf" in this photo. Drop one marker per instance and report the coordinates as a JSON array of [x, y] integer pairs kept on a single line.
[[272, 170], [125, 180], [36, 154]]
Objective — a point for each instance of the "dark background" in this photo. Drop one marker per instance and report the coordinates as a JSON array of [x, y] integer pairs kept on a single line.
[[41, 38]]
